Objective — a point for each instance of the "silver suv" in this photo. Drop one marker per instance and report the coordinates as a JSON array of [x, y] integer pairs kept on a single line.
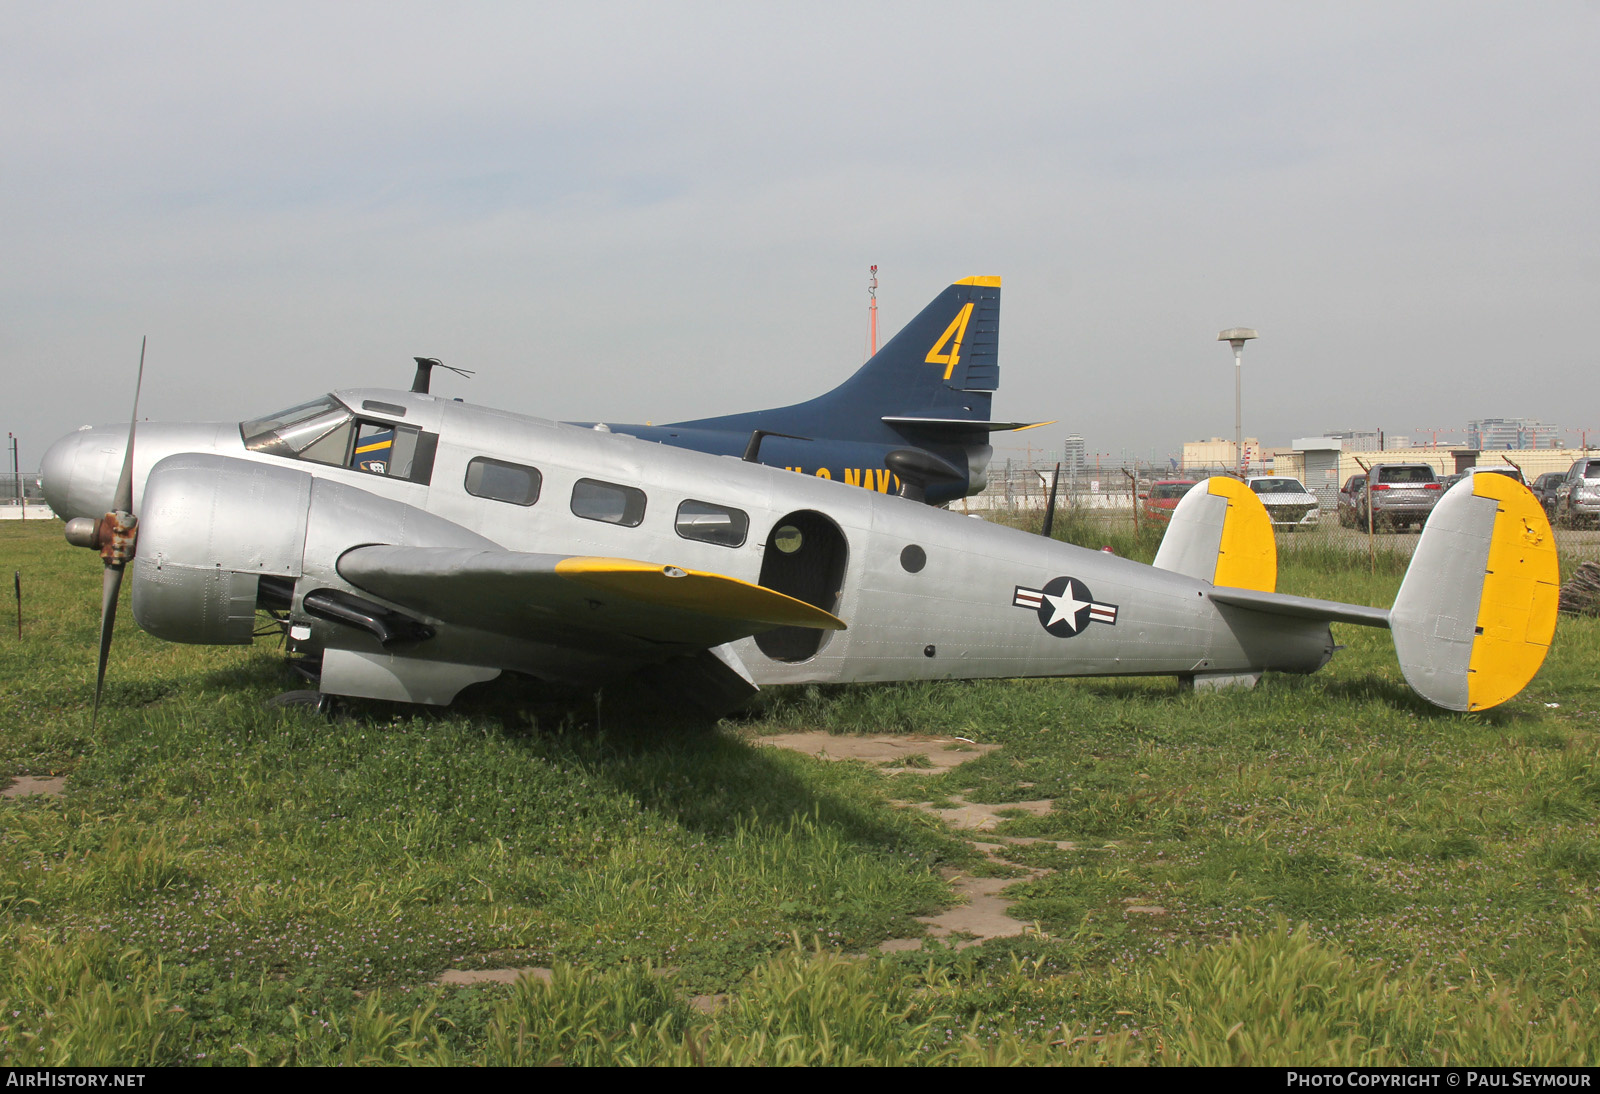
[[1288, 503], [1578, 496], [1399, 494]]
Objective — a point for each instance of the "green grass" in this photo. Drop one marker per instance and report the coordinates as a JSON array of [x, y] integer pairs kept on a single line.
[[1343, 873]]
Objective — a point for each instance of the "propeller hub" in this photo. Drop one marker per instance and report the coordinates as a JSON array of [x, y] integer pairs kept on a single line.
[[117, 538], [83, 532]]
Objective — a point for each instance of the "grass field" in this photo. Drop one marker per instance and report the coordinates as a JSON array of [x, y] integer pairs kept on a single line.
[[1339, 872]]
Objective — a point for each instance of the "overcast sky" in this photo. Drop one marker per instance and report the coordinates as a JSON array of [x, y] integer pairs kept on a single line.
[[636, 212]]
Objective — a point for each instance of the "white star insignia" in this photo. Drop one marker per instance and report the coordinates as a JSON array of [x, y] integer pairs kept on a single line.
[[1066, 607]]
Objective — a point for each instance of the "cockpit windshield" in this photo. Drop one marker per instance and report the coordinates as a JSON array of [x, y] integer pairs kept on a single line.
[[318, 431]]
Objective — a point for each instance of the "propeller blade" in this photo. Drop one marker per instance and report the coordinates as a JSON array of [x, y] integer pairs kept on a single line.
[[110, 586], [118, 532], [123, 502]]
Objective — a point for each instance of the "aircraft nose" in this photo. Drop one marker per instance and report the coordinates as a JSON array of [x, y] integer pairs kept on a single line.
[[55, 474], [79, 472]]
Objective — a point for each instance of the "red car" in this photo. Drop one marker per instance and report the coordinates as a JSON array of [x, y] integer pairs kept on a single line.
[[1163, 497]]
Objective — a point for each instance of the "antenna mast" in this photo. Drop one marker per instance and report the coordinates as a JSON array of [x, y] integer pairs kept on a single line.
[[872, 312]]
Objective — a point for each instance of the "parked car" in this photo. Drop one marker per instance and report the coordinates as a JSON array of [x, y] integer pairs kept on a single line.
[[1508, 471], [1545, 487], [1399, 494], [1288, 502], [1447, 481], [1350, 500], [1578, 496], [1163, 497]]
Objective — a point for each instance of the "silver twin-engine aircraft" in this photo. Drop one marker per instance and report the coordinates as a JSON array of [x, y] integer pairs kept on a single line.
[[411, 545]]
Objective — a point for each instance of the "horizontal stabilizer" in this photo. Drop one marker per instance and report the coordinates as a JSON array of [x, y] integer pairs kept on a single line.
[[1477, 610], [958, 425], [1302, 607], [621, 605]]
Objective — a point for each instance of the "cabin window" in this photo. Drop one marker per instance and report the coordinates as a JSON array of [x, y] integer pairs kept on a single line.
[[711, 523], [498, 480], [788, 539], [606, 501]]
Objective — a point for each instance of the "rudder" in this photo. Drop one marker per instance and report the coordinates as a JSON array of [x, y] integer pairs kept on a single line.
[[1221, 533], [1477, 610]]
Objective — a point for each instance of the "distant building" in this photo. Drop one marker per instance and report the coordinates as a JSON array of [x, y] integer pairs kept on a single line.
[[1219, 454], [1369, 440], [1363, 439], [1495, 433], [1073, 456]]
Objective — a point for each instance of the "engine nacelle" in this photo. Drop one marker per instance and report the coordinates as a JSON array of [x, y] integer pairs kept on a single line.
[[211, 527]]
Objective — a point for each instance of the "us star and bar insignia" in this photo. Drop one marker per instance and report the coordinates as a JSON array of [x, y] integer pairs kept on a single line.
[[1065, 606]]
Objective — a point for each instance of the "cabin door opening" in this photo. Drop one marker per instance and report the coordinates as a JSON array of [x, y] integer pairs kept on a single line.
[[804, 558]]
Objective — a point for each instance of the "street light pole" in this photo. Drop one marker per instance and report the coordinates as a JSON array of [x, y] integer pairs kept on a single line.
[[1237, 337]]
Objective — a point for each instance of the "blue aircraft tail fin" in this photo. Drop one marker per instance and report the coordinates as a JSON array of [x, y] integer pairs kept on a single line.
[[936, 375]]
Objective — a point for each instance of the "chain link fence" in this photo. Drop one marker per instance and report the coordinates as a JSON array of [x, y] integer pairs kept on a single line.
[[1111, 496], [21, 498]]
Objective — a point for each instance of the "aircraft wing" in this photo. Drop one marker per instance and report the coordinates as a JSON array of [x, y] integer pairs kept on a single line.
[[617, 604]]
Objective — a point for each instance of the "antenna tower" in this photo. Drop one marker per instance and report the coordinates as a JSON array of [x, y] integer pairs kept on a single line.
[[872, 312]]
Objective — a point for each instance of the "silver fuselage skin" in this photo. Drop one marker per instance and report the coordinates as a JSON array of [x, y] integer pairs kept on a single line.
[[977, 606]]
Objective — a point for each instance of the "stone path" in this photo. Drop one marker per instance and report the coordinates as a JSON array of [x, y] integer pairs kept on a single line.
[[984, 914], [895, 754], [23, 786]]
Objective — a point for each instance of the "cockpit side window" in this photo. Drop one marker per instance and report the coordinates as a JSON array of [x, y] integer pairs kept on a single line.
[[375, 448], [395, 451]]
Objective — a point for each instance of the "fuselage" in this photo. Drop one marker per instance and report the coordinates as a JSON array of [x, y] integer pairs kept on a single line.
[[856, 462], [926, 594]]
